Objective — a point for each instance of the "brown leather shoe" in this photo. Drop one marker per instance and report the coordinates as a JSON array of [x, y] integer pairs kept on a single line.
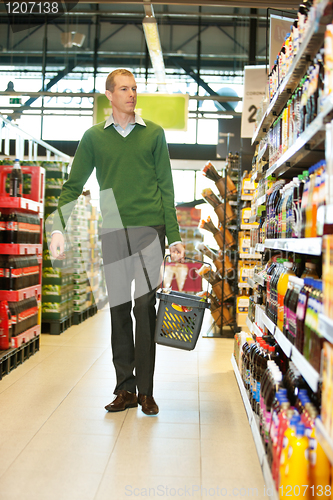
[[123, 400], [148, 403]]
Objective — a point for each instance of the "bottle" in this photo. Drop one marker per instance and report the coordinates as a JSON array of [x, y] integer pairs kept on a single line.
[[16, 180], [297, 285], [310, 271], [281, 291], [287, 437], [295, 471], [320, 467], [5, 326], [301, 309]]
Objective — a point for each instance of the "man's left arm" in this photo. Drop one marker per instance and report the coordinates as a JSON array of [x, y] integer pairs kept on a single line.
[[165, 184]]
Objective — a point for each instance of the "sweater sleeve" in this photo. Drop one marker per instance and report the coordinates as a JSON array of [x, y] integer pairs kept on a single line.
[[165, 185], [82, 167]]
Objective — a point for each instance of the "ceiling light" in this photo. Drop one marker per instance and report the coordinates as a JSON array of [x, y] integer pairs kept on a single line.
[[154, 47]]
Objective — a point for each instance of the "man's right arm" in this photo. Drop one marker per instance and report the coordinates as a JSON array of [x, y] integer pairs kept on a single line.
[[82, 167]]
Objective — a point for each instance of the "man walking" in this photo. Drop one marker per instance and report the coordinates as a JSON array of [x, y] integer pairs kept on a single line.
[[134, 174]]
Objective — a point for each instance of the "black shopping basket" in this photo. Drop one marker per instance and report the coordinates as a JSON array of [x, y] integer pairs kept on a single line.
[[179, 317]]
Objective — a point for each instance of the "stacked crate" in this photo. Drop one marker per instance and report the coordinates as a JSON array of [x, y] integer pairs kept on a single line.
[[57, 288]]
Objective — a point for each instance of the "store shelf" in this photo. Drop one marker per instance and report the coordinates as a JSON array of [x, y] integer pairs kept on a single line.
[[24, 293], [21, 203], [310, 375], [268, 324], [283, 342], [257, 331], [256, 177], [24, 337], [249, 324], [260, 247], [309, 48], [269, 483], [241, 387], [261, 200], [20, 249], [270, 490], [247, 227], [251, 282], [258, 279], [252, 256], [324, 439], [326, 327], [262, 152], [243, 285], [308, 246]]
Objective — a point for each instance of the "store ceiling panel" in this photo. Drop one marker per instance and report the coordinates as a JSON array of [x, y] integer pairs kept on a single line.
[[260, 4]]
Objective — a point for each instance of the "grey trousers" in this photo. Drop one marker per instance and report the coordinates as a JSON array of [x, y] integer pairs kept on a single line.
[[132, 260]]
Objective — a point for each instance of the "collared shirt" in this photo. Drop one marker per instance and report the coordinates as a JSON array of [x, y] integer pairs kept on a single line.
[[129, 127], [125, 132]]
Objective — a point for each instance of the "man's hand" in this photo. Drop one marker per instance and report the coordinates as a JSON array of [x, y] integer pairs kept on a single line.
[[177, 252], [57, 246]]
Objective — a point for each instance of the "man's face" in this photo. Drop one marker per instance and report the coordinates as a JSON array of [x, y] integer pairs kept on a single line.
[[123, 98]]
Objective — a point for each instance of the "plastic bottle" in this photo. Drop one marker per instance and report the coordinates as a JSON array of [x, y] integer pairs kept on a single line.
[[297, 284], [320, 467], [305, 196], [310, 271], [301, 312], [287, 437], [281, 290], [295, 471], [5, 326], [16, 180]]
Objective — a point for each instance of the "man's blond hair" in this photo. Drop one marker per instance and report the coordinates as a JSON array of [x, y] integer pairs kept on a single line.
[[110, 83]]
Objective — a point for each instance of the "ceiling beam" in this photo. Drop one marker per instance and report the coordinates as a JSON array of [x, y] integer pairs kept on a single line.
[[261, 4]]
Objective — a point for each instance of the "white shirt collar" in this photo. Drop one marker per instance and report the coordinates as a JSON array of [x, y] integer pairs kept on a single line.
[[138, 120]]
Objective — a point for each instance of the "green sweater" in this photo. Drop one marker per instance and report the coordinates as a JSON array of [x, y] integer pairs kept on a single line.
[[134, 175]]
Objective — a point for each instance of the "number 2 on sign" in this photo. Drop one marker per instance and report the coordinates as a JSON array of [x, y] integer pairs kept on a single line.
[[253, 110]]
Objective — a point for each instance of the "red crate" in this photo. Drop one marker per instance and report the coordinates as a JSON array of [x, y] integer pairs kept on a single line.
[[37, 181], [24, 293], [26, 336]]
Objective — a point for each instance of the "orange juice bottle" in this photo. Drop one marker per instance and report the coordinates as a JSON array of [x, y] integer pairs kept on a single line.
[[296, 471], [282, 290], [320, 467], [287, 437]]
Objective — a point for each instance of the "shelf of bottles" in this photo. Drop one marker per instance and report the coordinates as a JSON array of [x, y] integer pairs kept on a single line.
[[290, 316], [21, 224], [224, 279], [285, 75], [270, 490]]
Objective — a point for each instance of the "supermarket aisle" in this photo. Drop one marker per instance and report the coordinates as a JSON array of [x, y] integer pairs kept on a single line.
[[58, 443]]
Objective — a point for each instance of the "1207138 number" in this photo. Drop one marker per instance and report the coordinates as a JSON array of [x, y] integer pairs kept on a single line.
[[32, 8], [304, 490]]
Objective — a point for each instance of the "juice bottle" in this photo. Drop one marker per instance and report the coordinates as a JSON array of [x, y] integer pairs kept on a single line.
[[308, 208], [287, 437], [301, 312], [281, 291], [284, 421], [297, 285], [305, 195], [296, 470], [320, 467], [310, 271]]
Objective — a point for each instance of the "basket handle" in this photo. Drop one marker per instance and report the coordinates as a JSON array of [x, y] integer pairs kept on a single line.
[[185, 258]]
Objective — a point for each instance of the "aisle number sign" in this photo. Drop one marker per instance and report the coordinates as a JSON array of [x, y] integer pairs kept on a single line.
[[168, 110], [255, 81]]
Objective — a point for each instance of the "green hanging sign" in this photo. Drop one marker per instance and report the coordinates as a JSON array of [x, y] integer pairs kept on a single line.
[[168, 110]]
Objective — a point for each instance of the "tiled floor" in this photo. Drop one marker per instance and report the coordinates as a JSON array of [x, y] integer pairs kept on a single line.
[[58, 443]]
